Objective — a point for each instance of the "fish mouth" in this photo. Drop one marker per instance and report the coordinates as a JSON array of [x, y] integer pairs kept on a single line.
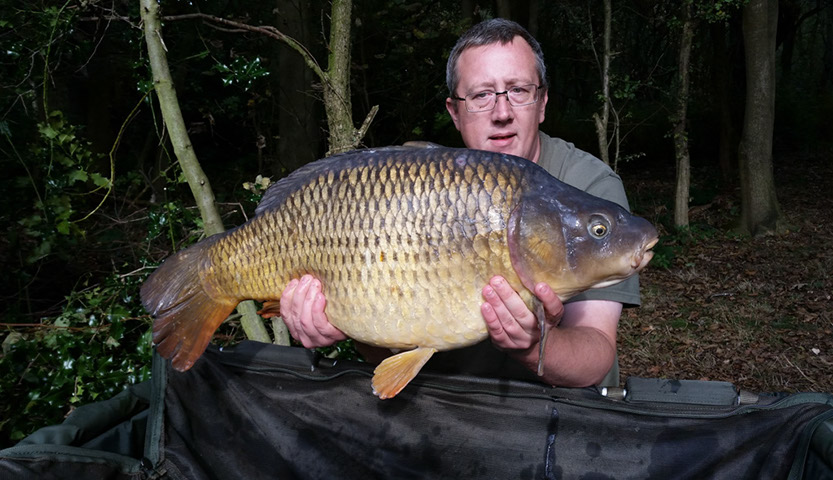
[[644, 255]]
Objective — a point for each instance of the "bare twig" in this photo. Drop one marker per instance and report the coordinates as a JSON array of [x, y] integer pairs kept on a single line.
[[267, 30], [812, 382]]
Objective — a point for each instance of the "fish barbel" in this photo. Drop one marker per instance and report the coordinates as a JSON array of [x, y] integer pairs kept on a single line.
[[403, 240]]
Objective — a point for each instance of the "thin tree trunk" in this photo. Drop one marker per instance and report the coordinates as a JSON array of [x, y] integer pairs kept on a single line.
[[722, 85], [184, 150], [337, 102], [683, 160], [504, 8], [534, 15], [601, 121], [826, 80], [760, 211]]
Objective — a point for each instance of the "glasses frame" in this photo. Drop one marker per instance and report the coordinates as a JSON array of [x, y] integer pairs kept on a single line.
[[496, 95]]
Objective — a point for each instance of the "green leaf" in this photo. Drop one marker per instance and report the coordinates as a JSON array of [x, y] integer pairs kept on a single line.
[[78, 175], [100, 181], [48, 132], [63, 227]]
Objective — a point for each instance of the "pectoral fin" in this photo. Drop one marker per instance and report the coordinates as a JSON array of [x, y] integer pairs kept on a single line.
[[391, 376], [270, 309]]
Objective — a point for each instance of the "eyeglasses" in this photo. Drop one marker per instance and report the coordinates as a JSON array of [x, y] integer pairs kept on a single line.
[[486, 100]]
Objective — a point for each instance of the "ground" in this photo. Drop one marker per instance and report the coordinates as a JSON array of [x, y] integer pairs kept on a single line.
[[752, 311]]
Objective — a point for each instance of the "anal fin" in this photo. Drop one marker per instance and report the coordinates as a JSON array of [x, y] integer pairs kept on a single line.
[[394, 373]]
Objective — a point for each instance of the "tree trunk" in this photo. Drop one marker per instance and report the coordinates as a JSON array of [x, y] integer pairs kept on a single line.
[[789, 30], [534, 15], [467, 10], [826, 81], [184, 150], [337, 100], [760, 211], [298, 126], [722, 86], [504, 8], [601, 121], [679, 120]]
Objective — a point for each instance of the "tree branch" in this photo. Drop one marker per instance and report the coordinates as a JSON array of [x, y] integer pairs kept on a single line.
[[267, 30], [184, 150]]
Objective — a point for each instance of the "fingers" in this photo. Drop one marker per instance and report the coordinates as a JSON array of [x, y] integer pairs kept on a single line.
[[327, 333], [302, 309], [287, 313], [510, 323], [552, 304]]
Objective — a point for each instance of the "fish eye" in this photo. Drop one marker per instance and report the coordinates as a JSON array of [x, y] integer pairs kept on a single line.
[[598, 228]]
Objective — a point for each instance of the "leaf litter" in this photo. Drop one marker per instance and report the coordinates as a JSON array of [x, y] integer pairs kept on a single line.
[[757, 312]]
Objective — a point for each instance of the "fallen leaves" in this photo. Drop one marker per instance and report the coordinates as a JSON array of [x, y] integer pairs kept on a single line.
[[752, 311]]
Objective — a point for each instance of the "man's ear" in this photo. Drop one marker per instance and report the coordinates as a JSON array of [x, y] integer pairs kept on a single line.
[[451, 105]]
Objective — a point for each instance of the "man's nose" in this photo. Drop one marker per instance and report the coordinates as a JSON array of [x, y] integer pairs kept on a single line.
[[502, 111]]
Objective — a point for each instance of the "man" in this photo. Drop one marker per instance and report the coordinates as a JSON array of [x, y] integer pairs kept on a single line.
[[497, 98]]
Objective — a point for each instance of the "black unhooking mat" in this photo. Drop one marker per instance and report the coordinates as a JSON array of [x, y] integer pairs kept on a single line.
[[262, 411]]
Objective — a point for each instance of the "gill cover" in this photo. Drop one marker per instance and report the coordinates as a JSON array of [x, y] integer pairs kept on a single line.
[[565, 243]]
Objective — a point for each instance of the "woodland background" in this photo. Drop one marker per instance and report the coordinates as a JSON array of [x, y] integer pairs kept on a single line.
[[94, 197]]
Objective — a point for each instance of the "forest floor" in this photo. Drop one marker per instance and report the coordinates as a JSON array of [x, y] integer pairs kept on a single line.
[[757, 312]]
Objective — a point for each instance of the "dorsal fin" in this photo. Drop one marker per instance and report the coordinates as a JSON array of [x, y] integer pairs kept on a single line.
[[277, 193]]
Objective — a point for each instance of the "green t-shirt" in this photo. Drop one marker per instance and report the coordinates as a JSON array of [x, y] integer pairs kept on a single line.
[[584, 171]]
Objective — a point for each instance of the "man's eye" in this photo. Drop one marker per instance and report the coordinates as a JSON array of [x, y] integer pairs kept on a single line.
[[481, 95]]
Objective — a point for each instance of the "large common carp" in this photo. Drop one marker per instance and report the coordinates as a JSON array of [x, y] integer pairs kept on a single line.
[[403, 240]]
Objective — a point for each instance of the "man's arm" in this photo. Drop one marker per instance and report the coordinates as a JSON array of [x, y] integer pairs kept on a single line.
[[580, 349]]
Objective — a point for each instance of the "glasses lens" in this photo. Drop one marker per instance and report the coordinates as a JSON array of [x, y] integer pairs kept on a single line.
[[523, 95], [478, 102]]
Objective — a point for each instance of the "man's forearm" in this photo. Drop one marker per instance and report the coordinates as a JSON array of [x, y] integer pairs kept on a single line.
[[574, 357]]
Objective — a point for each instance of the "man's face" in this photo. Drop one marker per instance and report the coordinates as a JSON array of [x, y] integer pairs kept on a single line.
[[505, 129]]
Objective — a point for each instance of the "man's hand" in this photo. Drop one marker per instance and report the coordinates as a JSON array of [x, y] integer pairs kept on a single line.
[[578, 353], [302, 309], [511, 325]]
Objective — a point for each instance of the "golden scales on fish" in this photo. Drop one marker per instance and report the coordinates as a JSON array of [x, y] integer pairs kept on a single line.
[[402, 239]]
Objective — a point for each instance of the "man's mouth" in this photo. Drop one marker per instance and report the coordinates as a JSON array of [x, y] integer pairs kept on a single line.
[[501, 137]]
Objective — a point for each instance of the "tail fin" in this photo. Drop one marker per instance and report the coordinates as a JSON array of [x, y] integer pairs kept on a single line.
[[186, 315]]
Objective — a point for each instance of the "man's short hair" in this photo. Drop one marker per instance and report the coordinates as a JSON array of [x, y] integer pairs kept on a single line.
[[489, 32]]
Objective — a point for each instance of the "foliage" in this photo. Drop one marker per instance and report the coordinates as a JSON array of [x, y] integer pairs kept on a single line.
[[62, 171], [98, 344], [241, 71]]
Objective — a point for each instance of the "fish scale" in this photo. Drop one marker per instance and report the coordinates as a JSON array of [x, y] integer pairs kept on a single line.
[[403, 241]]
